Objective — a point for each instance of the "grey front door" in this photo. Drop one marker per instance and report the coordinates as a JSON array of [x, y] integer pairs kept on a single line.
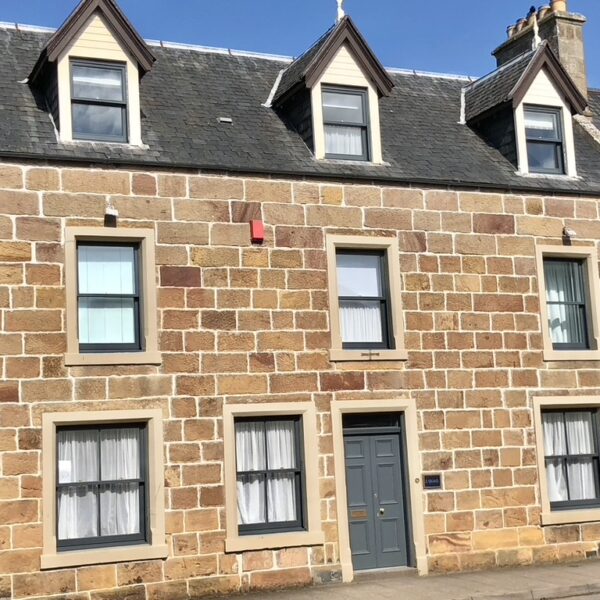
[[376, 500]]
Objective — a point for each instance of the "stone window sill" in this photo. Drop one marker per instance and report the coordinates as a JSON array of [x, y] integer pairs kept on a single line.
[[564, 355], [564, 517], [122, 358], [340, 355], [272, 541], [102, 556]]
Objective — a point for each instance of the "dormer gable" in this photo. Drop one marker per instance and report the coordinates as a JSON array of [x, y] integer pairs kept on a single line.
[[339, 69], [531, 87], [94, 62]]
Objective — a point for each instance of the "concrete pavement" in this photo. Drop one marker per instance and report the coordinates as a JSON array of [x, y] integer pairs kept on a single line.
[[567, 581]]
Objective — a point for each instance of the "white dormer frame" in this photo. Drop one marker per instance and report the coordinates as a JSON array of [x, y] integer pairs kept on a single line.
[[344, 72], [97, 43], [543, 93]]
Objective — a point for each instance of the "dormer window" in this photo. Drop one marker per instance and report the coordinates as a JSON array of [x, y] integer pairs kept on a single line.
[[99, 101], [346, 123], [90, 72], [545, 140], [331, 96]]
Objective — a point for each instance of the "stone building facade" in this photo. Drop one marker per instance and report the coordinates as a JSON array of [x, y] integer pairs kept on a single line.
[[251, 329]]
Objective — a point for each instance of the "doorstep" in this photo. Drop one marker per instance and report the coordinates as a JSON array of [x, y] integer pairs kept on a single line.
[[545, 582]]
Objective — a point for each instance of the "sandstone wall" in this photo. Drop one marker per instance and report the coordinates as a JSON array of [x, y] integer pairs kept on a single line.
[[239, 323]]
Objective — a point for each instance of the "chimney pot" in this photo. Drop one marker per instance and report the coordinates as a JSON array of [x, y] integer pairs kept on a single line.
[[559, 5], [543, 11]]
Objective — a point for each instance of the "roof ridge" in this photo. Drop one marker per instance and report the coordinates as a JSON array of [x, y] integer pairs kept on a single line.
[[434, 74], [217, 50], [24, 27]]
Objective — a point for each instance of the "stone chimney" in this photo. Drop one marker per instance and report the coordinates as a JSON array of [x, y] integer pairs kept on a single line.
[[562, 29]]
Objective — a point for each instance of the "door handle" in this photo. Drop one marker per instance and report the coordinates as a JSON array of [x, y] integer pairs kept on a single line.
[[381, 512]]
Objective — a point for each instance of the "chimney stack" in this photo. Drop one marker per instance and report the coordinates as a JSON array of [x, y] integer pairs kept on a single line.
[[563, 31]]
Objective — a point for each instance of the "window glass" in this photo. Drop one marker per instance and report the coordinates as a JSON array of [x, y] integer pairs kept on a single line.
[[543, 130], [342, 107], [543, 157], [363, 300], [97, 83], [542, 125], [106, 269], [269, 474], [566, 303], [98, 121], [345, 123], [99, 101], [108, 297], [571, 457], [359, 274], [100, 485]]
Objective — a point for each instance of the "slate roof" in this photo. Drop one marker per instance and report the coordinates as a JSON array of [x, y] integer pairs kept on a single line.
[[187, 91], [495, 89], [295, 72]]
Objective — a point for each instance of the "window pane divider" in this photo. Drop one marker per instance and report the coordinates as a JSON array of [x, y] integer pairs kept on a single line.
[[98, 483]]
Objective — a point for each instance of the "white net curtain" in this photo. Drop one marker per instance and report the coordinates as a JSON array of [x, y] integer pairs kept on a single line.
[[565, 300], [263, 446], [359, 276], [569, 433], [92, 455], [106, 270]]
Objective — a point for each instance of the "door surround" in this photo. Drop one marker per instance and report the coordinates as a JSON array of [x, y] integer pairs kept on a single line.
[[406, 406]]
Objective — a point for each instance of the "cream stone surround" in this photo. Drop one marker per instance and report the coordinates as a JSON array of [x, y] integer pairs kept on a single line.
[[314, 535], [548, 516], [406, 406], [390, 245], [51, 558], [97, 43], [344, 71], [543, 93], [590, 255], [145, 237]]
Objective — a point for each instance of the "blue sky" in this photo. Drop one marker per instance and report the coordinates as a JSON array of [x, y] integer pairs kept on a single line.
[[448, 36]]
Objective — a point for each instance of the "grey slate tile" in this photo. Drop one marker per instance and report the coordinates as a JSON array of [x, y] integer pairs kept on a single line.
[[188, 90]]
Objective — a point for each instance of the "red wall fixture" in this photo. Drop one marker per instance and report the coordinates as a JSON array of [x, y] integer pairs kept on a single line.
[[257, 231]]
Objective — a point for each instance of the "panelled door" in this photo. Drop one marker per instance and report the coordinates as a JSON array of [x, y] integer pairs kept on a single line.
[[377, 506]]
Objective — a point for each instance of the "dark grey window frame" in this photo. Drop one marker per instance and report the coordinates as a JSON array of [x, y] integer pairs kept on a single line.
[[385, 300], [144, 536], [575, 504], [301, 522], [558, 142], [586, 305], [123, 105], [365, 126], [137, 345]]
